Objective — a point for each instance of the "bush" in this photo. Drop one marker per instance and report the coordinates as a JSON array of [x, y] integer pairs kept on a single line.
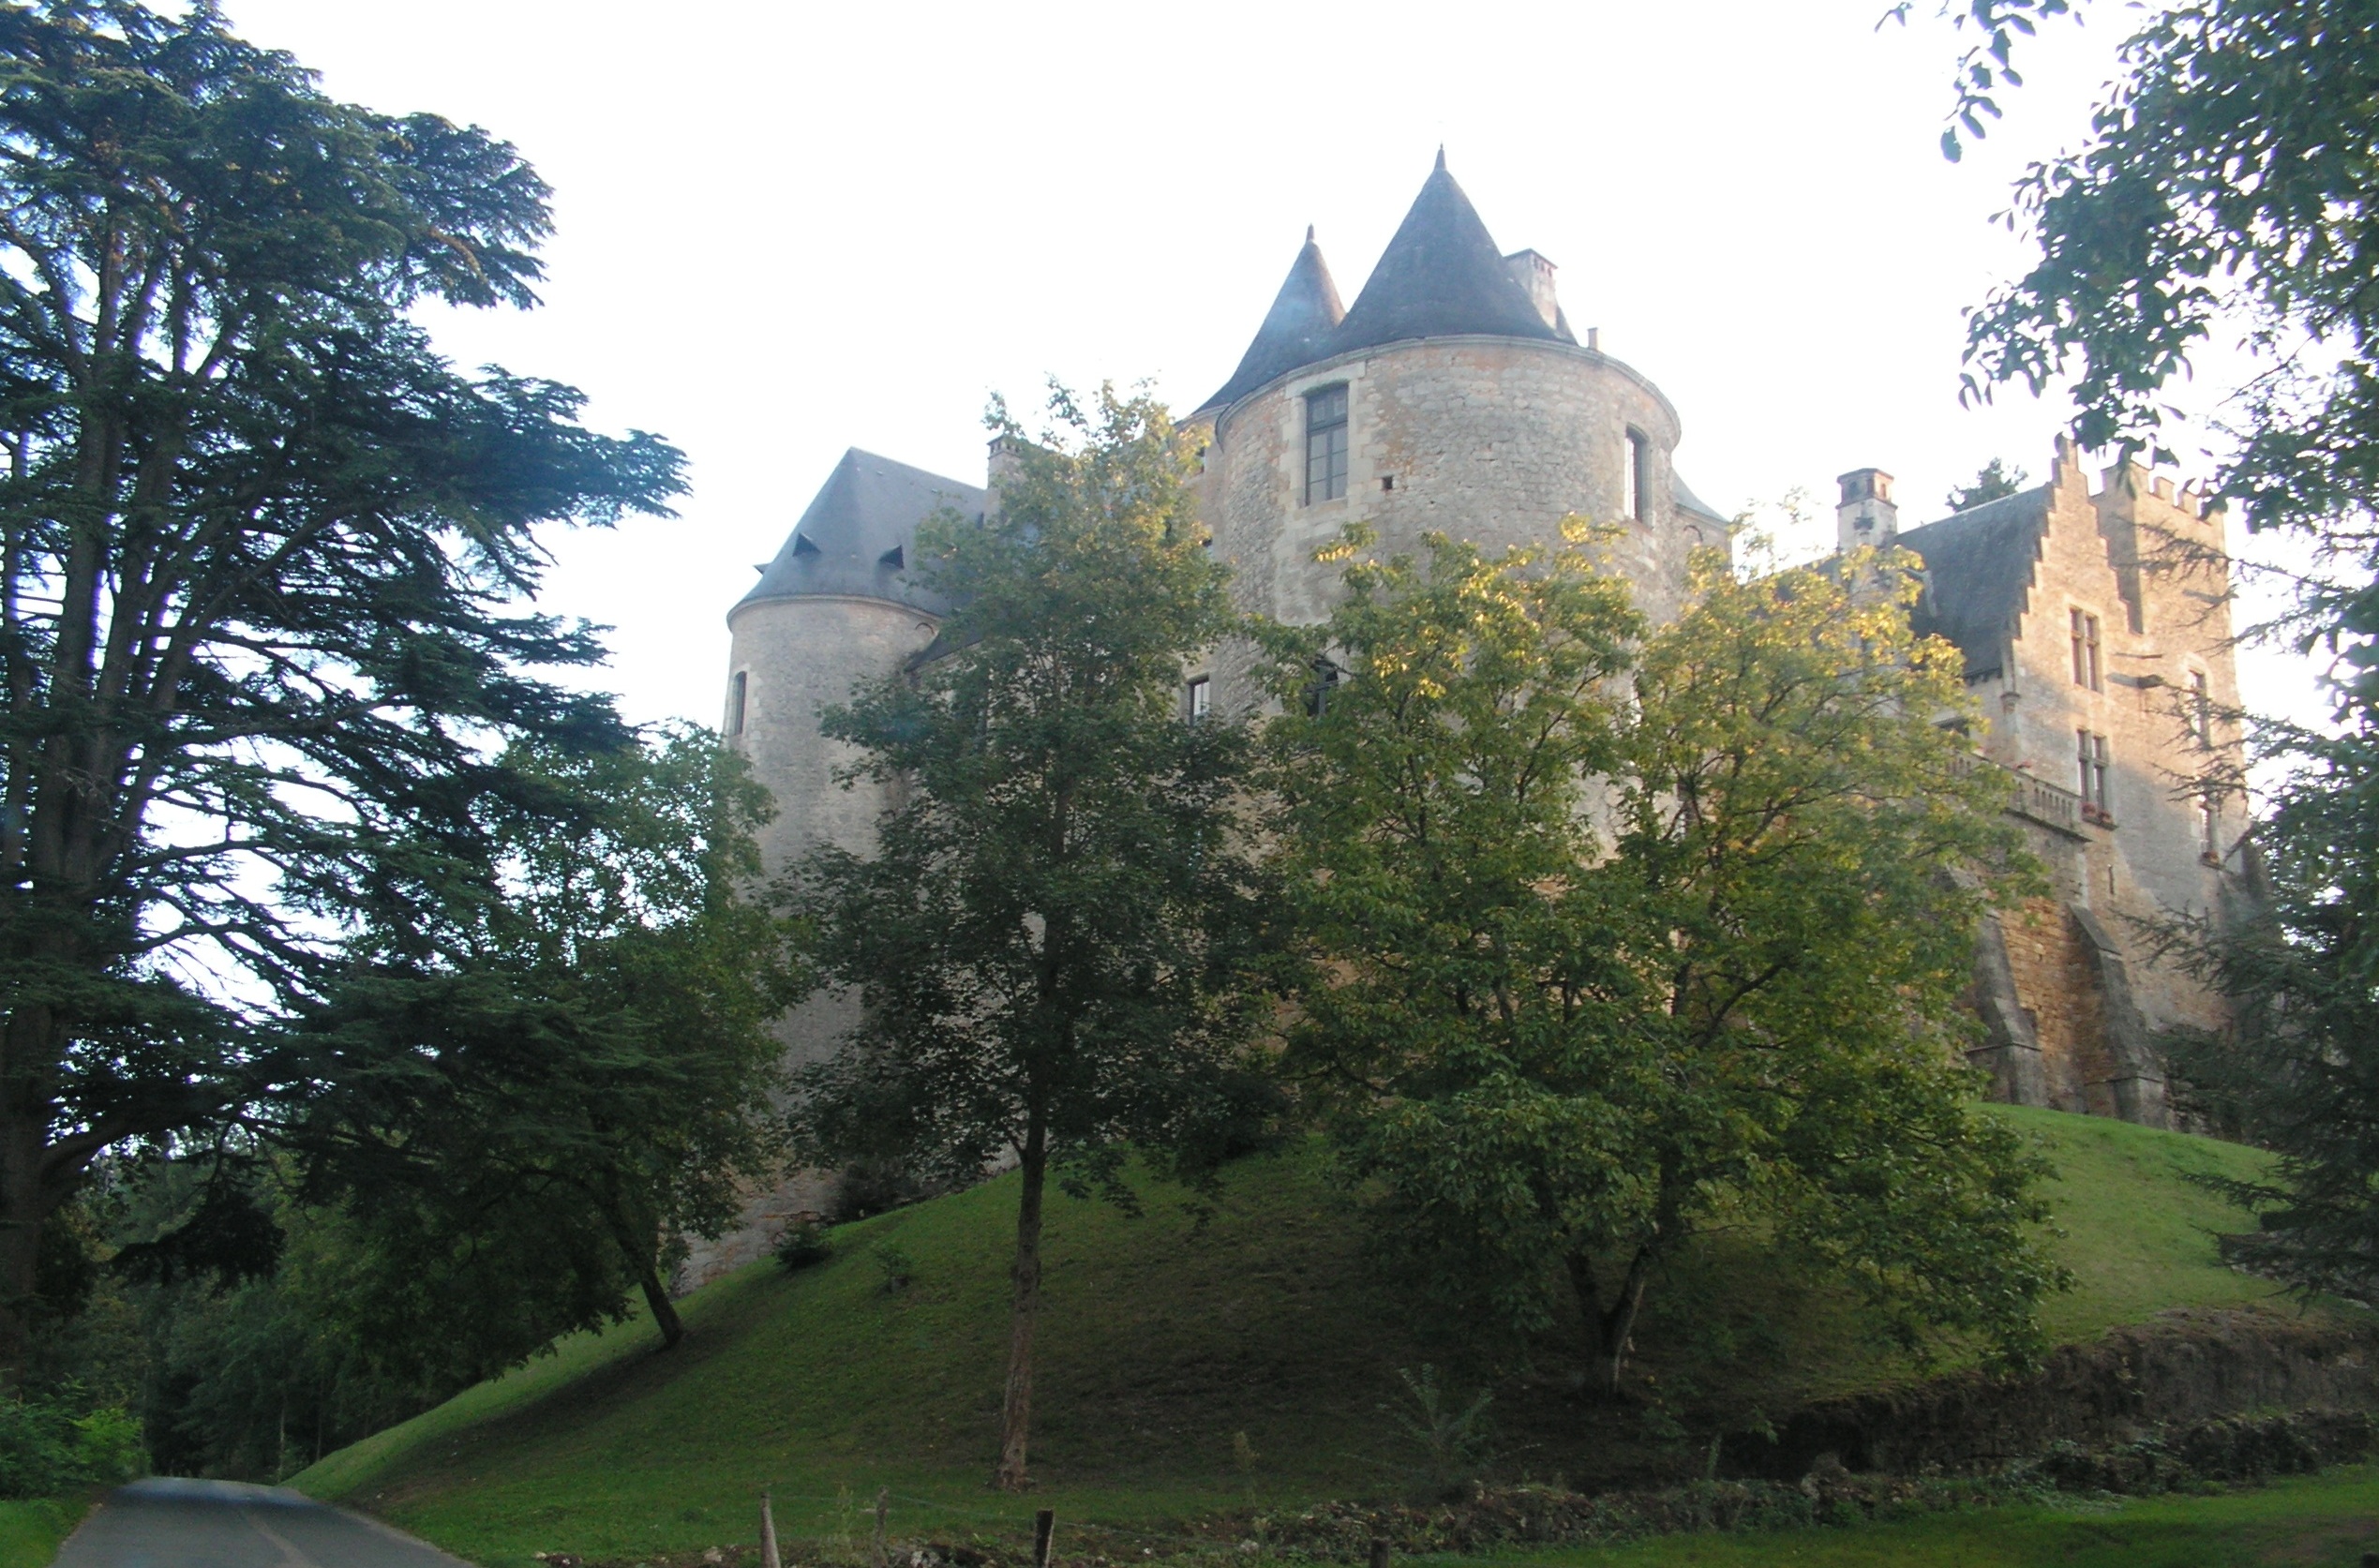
[[45, 1450], [898, 1268], [804, 1245]]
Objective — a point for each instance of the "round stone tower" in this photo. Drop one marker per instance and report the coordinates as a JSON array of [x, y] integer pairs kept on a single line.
[[835, 607], [1452, 397]]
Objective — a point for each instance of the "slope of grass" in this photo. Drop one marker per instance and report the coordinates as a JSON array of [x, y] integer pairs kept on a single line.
[[31, 1531], [1163, 1341]]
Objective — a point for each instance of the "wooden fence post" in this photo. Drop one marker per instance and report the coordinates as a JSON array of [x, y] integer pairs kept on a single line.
[[883, 1541], [767, 1536], [1045, 1532], [1379, 1551]]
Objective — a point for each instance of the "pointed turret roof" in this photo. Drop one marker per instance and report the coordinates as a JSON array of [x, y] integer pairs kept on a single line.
[[859, 533], [1296, 330], [1441, 277]]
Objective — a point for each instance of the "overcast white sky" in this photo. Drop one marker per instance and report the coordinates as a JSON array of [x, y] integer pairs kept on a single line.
[[788, 228]]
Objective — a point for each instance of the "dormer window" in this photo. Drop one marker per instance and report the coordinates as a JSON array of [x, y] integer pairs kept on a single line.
[[1634, 490], [1326, 444]]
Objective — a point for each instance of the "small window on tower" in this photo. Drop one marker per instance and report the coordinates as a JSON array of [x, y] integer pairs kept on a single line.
[[737, 687], [1326, 444], [2201, 710], [1634, 488], [1201, 699], [2208, 827]]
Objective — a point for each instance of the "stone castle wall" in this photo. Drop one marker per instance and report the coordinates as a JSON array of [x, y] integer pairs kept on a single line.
[[2148, 563]]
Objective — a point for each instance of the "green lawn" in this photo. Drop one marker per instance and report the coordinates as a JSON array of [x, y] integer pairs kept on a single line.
[[1162, 1342], [2316, 1522], [31, 1531]]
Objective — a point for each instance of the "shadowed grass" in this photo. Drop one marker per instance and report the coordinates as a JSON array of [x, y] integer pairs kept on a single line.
[[1162, 1342], [31, 1530], [2326, 1521]]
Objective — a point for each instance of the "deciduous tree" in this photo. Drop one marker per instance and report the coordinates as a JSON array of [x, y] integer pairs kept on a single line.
[[520, 1110], [1046, 935], [1604, 935]]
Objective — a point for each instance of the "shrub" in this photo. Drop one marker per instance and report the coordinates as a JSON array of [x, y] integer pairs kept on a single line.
[[804, 1245], [898, 1268], [45, 1450]]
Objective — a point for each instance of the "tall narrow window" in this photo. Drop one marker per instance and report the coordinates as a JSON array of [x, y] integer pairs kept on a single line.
[[2093, 760], [736, 686], [2201, 710], [2087, 670], [2208, 827], [1632, 486], [1201, 699], [1326, 444]]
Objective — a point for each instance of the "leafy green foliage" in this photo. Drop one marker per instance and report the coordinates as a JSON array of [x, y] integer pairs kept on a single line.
[[519, 1117], [262, 554], [1589, 958], [1988, 64], [2299, 1070], [1995, 481], [1046, 936], [2226, 183], [1449, 1438], [46, 1449], [804, 1245]]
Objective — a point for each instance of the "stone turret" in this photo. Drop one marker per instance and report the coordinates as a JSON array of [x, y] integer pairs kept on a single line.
[[1867, 515]]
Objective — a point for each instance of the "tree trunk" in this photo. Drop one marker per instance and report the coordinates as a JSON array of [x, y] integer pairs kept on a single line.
[[26, 1198], [664, 1311], [1609, 1328], [1015, 1421], [1619, 1323]]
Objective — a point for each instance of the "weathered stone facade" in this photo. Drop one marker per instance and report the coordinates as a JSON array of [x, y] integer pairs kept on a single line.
[[2094, 625], [1470, 407]]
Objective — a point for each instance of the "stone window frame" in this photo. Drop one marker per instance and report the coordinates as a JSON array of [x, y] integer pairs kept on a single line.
[[2089, 648], [2094, 762], [2197, 709], [1197, 698], [1635, 476], [738, 704], [1337, 433]]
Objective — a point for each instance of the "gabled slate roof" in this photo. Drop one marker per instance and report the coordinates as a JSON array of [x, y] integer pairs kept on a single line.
[[859, 535], [1978, 568], [1441, 277], [1303, 315]]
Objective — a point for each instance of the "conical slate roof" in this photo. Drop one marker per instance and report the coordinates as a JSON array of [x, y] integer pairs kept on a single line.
[[859, 534], [1441, 277], [1303, 315]]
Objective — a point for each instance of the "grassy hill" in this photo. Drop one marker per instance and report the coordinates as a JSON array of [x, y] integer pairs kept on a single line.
[[1163, 1340]]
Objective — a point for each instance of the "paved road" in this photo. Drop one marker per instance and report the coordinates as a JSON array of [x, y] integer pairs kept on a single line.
[[167, 1523]]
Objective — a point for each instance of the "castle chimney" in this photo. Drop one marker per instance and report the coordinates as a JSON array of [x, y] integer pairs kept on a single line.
[[1534, 274], [1867, 514]]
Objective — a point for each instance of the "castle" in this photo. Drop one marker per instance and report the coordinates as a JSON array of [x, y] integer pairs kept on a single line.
[[1453, 396]]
